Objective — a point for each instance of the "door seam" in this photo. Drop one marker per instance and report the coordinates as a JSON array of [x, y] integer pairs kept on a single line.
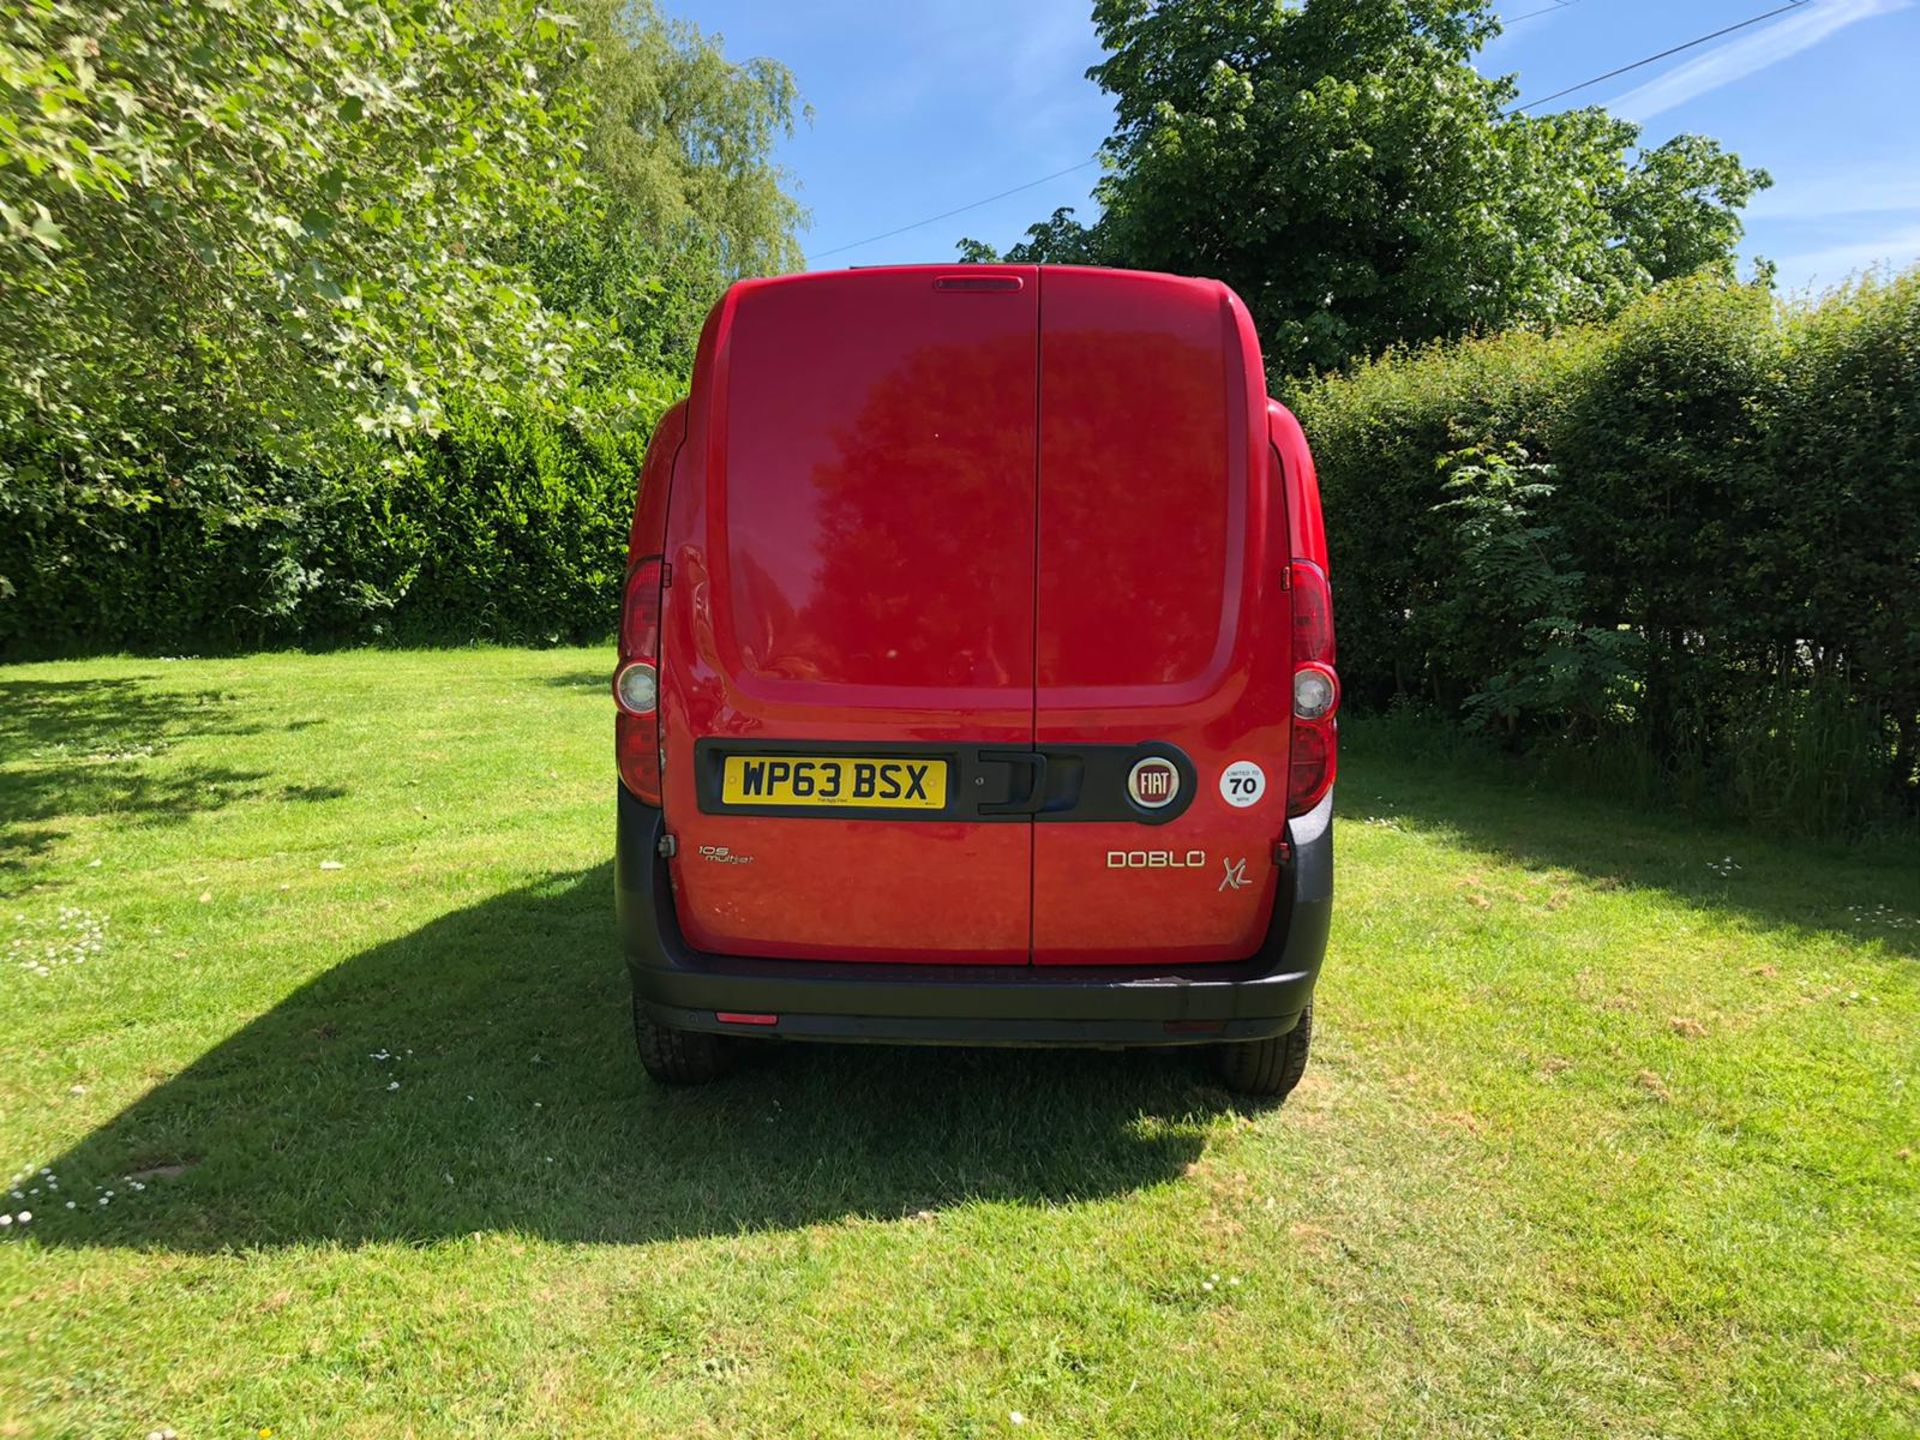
[[1033, 636]]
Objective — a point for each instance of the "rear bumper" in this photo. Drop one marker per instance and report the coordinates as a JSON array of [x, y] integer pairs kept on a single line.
[[974, 1004]]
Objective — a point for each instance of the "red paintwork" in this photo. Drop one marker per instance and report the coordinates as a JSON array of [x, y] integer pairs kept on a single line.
[[991, 505], [1304, 521], [851, 538], [1160, 615], [649, 532]]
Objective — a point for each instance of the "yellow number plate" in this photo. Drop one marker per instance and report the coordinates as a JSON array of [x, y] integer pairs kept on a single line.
[[856, 781]]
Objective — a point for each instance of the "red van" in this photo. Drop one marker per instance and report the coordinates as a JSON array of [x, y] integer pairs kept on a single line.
[[976, 677]]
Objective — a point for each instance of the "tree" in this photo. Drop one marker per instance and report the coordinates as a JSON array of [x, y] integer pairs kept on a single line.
[[254, 249], [681, 136], [685, 196], [1346, 169], [244, 224], [249, 225], [1058, 240]]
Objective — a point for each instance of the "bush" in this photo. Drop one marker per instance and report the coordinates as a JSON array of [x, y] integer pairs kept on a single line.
[[1684, 546], [505, 527]]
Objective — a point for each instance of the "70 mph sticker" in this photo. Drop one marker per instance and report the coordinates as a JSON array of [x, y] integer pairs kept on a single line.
[[1242, 783]]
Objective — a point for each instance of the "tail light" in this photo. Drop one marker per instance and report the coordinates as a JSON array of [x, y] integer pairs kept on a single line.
[[636, 683], [1316, 690]]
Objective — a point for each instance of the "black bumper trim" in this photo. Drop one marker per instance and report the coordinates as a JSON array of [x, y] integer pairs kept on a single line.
[[968, 1004], [972, 1030]]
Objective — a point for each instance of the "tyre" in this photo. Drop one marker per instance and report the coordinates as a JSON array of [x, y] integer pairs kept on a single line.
[[678, 1057], [1270, 1067]]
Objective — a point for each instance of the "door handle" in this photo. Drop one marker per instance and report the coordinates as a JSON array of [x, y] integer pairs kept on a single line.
[[1036, 795]]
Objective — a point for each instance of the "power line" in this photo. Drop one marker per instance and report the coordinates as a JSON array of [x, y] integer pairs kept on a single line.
[[1672, 50], [1517, 110], [957, 210], [1543, 10]]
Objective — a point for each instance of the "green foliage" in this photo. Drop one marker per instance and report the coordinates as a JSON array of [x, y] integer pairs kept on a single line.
[[259, 224], [1839, 546], [1683, 546], [680, 137], [1058, 240], [499, 526], [507, 528], [1513, 614], [1376, 437], [676, 150], [328, 318], [1346, 169]]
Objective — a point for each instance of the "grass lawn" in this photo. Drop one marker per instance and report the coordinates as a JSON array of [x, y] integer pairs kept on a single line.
[[1602, 1135]]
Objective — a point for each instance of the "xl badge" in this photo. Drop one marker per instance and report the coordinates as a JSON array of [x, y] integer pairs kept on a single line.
[[1236, 876], [1153, 783]]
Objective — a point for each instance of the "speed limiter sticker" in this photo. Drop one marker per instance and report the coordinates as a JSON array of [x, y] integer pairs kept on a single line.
[[1242, 783]]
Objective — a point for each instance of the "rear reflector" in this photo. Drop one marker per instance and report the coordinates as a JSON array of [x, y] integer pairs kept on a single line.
[[1311, 768], [640, 611], [741, 1017]]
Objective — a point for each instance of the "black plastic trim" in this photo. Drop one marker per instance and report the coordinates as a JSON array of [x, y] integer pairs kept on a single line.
[[951, 1030], [1035, 764], [989, 783], [1089, 783]]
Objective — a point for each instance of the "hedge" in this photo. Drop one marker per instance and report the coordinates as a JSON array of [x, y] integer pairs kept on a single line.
[[504, 527], [1685, 544]]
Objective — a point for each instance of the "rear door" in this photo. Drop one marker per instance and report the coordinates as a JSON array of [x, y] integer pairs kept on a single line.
[[1161, 630], [848, 679]]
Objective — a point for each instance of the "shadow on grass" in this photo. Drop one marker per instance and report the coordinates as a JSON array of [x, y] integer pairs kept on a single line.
[[19, 846], [313, 794], [514, 1101], [1867, 893], [77, 747], [115, 714], [601, 680]]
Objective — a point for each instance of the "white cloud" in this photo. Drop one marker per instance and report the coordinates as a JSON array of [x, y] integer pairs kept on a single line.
[[1824, 268], [1845, 192], [1755, 50]]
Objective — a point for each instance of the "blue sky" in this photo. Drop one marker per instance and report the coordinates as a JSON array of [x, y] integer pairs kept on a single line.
[[925, 106]]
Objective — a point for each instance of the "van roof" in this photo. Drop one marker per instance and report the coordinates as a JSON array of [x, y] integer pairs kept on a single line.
[[961, 268]]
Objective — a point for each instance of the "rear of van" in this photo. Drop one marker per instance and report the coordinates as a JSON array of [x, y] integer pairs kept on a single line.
[[976, 680]]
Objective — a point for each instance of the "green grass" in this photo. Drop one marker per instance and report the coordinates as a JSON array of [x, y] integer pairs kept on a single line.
[[1597, 1139]]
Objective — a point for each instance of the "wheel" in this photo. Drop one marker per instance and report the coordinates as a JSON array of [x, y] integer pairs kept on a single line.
[[1267, 1067], [678, 1057]]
